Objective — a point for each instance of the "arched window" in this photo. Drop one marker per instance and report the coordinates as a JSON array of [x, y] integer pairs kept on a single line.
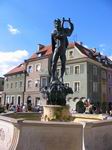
[[30, 69], [29, 84], [29, 100], [19, 100]]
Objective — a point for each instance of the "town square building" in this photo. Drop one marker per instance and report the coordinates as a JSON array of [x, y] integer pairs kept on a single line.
[[88, 73]]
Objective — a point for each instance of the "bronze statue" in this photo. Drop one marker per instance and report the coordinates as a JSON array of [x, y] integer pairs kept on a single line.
[[57, 91], [59, 45]]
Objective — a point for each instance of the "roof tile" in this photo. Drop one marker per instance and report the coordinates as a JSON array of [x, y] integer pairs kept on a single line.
[[18, 69]]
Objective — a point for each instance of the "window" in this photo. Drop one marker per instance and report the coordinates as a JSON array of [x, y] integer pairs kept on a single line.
[[12, 100], [37, 83], [37, 101], [7, 99], [67, 71], [77, 69], [71, 69], [2, 82], [30, 69], [109, 76], [109, 90], [66, 84], [18, 75], [95, 70], [38, 67], [76, 86], [39, 55], [16, 84], [19, 100], [103, 74], [7, 85], [11, 85], [6, 78], [29, 84], [29, 100], [71, 54], [95, 86], [43, 81], [21, 83]]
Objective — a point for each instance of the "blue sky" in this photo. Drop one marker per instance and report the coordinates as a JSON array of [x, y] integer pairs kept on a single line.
[[25, 23]]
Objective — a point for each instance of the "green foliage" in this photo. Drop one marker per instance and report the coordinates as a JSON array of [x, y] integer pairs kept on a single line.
[[104, 107], [80, 107]]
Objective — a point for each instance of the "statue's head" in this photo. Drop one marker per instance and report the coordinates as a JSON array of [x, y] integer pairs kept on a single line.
[[57, 23]]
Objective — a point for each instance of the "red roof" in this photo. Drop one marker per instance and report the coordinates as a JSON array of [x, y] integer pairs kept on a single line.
[[83, 49], [18, 69], [47, 50]]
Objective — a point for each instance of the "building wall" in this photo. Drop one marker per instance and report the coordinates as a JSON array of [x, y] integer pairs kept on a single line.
[[39, 69], [85, 76], [77, 66], [80, 77], [75, 73], [104, 88], [14, 88], [94, 82], [1, 89], [109, 85], [1, 84]]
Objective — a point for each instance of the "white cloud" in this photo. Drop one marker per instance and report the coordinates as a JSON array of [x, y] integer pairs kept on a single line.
[[5, 68], [12, 56], [13, 30], [10, 59]]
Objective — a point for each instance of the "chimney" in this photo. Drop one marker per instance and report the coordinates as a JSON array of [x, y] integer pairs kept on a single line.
[[94, 49], [81, 43], [40, 46]]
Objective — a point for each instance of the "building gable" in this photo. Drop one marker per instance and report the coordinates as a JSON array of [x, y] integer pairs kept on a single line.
[[78, 53]]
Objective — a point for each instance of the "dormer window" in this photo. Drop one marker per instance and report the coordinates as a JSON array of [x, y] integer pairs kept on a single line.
[[71, 54], [6, 78], [39, 54]]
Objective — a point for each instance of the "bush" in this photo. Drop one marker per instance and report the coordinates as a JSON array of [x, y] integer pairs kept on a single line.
[[80, 107], [104, 107]]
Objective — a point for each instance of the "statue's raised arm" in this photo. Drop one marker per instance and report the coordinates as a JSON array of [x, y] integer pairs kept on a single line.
[[68, 31]]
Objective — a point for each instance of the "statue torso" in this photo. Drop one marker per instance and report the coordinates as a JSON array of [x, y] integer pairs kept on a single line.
[[60, 39]]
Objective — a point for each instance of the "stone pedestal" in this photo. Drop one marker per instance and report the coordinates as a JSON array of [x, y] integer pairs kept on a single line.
[[56, 113]]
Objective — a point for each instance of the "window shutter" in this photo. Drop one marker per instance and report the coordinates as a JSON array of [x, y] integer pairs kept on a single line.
[[81, 68]]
